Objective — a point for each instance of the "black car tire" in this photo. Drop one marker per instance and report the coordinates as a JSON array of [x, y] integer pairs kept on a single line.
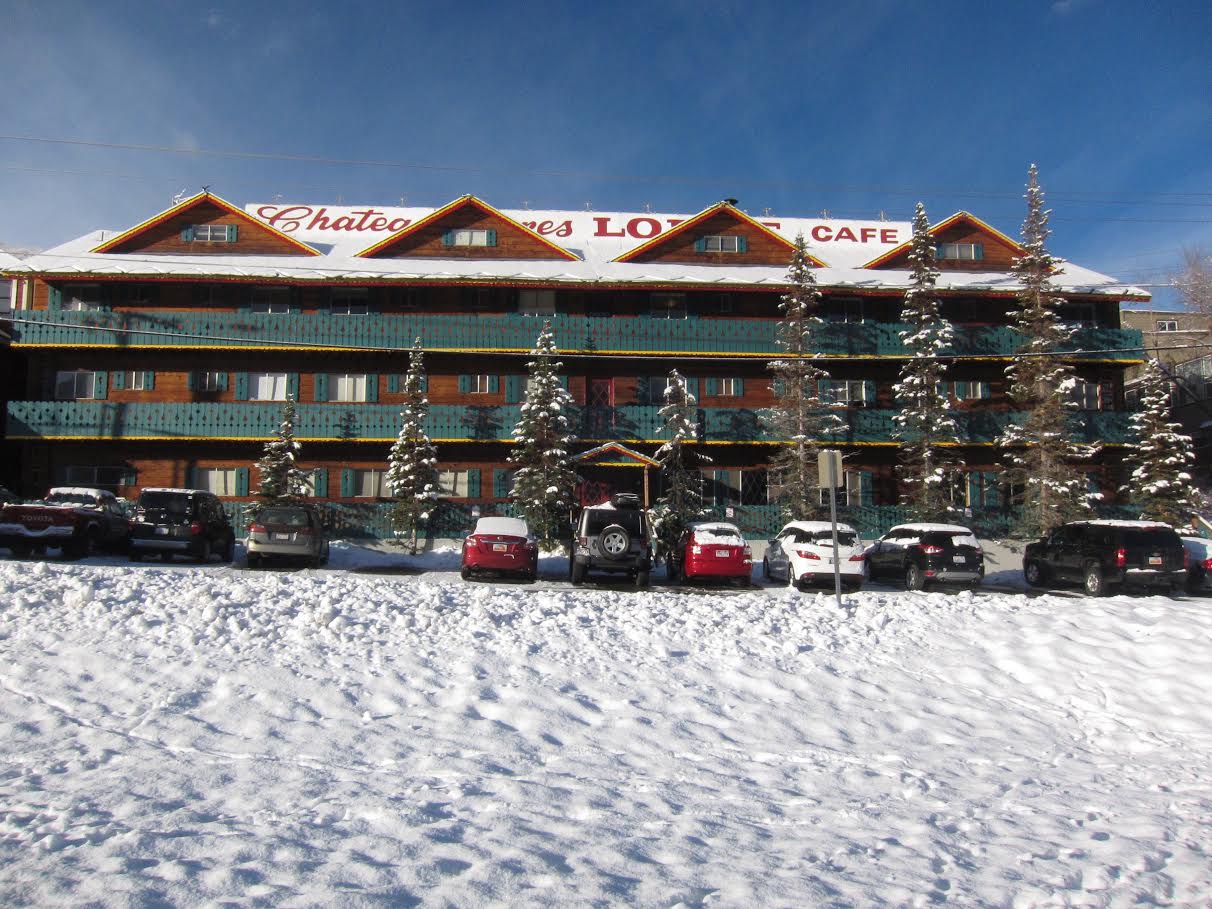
[[1093, 581], [204, 552], [1035, 573], [915, 578], [1195, 581], [135, 555], [614, 542], [578, 574], [21, 550], [766, 568], [229, 551], [870, 570], [641, 579], [254, 559], [465, 573]]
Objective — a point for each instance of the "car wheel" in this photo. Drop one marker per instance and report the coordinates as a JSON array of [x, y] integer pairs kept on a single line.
[[465, 573], [1033, 571], [792, 580], [870, 570], [229, 551], [914, 578], [1093, 581], [1195, 581], [204, 552], [87, 546], [641, 579], [135, 555], [578, 574], [614, 542], [21, 550], [254, 560], [766, 568]]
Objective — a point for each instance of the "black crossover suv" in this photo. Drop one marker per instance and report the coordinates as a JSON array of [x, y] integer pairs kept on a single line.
[[186, 522], [923, 555], [1101, 555]]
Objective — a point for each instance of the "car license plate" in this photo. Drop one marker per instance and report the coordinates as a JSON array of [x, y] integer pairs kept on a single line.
[[1155, 560], [281, 536], [958, 560], [722, 553], [499, 547], [161, 531]]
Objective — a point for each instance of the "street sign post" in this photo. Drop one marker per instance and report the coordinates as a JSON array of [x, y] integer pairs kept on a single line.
[[829, 475]]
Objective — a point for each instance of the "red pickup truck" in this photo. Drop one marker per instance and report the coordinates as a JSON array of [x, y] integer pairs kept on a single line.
[[75, 520]]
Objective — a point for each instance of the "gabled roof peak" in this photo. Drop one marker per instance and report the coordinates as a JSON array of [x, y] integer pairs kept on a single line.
[[941, 226]]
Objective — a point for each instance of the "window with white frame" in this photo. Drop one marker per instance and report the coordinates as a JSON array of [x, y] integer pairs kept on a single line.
[[347, 388], [536, 302], [480, 385], [136, 380], [82, 297], [269, 300], [99, 477], [369, 484], [210, 381], [75, 385], [842, 391], [349, 301], [731, 387], [213, 233], [1167, 325], [667, 306], [268, 386], [465, 236], [219, 480], [854, 484], [726, 244], [1086, 395], [963, 391], [452, 483], [655, 389], [967, 252]]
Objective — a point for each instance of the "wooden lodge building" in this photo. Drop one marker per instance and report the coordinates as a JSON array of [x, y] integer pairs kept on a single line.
[[160, 355]]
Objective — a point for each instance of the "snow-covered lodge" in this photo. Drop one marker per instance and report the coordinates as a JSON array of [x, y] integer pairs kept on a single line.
[[160, 355]]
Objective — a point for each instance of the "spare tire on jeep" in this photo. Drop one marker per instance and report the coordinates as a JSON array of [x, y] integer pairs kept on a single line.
[[614, 541]]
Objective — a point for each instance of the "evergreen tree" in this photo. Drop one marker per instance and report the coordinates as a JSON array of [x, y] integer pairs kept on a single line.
[[1160, 464], [681, 499], [412, 476], [544, 482], [1042, 457], [924, 422], [281, 480], [799, 416]]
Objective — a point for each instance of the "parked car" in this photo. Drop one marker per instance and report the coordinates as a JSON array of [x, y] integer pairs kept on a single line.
[[287, 532], [802, 555], [77, 521], [925, 554], [503, 546], [1101, 555], [612, 538], [1199, 563], [711, 549], [188, 522]]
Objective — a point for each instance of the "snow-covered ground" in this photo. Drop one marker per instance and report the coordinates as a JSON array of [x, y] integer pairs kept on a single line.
[[179, 736]]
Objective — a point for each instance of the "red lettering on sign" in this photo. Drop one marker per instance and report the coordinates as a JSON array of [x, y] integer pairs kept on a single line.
[[320, 221], [602, 229], [398, 224], [846, 234], [777, 225], [867, 234], [674, 222], [286, 219], [564, 230], [822, 234], [651, 227], [888, 235]]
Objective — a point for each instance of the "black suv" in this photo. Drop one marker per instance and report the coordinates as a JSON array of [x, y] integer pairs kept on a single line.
[[924, 554], [188, 522], [1104, 554], [612, 538]]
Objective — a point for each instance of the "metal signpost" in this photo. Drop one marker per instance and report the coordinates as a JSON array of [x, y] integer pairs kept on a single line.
[[829, 475]]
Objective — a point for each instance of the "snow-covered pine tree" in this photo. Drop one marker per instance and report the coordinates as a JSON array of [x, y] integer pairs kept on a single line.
[[1042, 457], [281, 481], [924, 421], [544, 482], [1160, 464], [799, 415], [412, 475], [681, 499]]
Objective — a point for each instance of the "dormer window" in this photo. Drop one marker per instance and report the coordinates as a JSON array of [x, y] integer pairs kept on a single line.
[[210, 233], [963, 252], [469, 237], [721, 244]]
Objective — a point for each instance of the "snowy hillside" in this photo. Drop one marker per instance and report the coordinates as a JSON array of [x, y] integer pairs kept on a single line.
[[188, 736]]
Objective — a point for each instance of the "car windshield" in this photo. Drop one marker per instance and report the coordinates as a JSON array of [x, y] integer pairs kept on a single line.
[[172, 502], [283, 517]]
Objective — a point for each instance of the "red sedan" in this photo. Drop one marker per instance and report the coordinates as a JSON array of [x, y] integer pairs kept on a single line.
[[501, 546], [711, 549]]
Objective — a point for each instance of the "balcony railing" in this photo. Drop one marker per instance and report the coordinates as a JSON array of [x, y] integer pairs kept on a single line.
[[381, 422], [512, 332]]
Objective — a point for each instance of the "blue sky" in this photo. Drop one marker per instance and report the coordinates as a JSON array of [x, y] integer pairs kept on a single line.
[[854, 108]]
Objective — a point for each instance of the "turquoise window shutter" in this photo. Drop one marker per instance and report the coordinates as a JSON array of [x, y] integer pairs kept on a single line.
[[700, 245], [500, 483], [319, 482], [692, 385], [149, 380], [241, 386], [393, 383], [513, 389], [473, 483], [347, 483], [424, 383], [321, 386], [984, 389], [191, 381], [869, 391], [993, 493], [492, 237], [448, 238], [292, 385], [54, 299], [563, 382], [742, 244], [866, 487], [372, 387], [711, 386], [974, 489], [232, 233], [961, 390], [978, 250], [100, 384], [118, 381], [464, 384], [740, 387], [241, 481], [494, 384], [187, 234], [223, 381]]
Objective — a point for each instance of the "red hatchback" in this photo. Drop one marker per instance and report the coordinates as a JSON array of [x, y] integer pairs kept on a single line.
[[711, 549], [501, 546]]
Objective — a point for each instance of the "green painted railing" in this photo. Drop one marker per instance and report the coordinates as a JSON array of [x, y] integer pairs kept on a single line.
[[510, 332], [96, 420]]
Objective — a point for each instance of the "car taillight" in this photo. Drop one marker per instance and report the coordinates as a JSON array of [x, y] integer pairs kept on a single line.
[[1208, 564], [857, 558], [1121, 557], [748, 552], [256, 528], [195, 528], [931, 549], [807, 554], [696, 550]]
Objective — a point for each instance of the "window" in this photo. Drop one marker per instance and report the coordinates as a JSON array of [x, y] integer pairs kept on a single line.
[[270, 386], [967, 252], [347, 388], [667, 306], [1086, 395], [269, 300], [452, 483], [351, 301], [219, 480], [1167, 325], [725, 244], [653, 390], [138, 381], [82, 297], [214, 233], [964, 391], [853, 391], [856, 489], [844, 311], [755, 487], [368, 484], [210, 381], [481, 385], [536, 302], [1080, 315], [99, 477], [471, 237], [76, 385], [731, 388]]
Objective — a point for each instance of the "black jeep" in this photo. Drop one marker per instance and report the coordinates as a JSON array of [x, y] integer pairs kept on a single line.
[[1101, 555]]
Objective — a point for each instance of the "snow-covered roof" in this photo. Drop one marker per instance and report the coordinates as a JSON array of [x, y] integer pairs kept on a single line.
[[926, 527], [714, 527], [81, 491], [170, 489], [595, 239], [816, 527], [8, 260], [1131, 525]]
